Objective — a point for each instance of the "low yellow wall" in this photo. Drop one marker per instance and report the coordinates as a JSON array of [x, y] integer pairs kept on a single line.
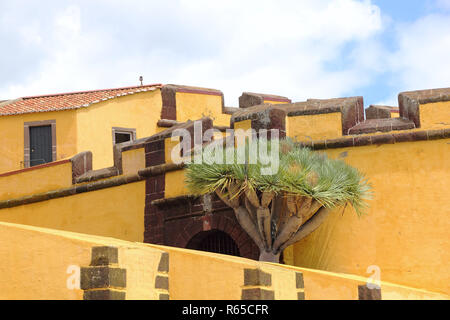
[[113, 212], [434, 115], [40, 263], [314, 127], [198, 275], [322, 285], [36, 180], [405, 233]]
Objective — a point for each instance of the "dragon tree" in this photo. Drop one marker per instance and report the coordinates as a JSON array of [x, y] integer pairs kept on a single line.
[[281, 208]]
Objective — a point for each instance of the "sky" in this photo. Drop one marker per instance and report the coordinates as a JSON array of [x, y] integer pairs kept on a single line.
[[299, 49]]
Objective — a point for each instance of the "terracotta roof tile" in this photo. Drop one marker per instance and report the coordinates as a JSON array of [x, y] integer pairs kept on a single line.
[[66, 101]]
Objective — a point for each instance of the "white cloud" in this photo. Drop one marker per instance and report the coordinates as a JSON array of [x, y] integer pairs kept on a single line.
[[274, 47], [422, 59], [68, 21], [300, 49], [444, 4], [65, 66]]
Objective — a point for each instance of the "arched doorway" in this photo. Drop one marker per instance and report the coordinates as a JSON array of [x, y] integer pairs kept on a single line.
[[214, 241]]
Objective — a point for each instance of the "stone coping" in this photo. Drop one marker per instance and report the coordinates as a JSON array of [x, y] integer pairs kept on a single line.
[[427, 96], [81, 163], [94, 175], [382, 125], [45, 165], [189, 125], [175, 200], [192, 89], [166, 123], [366, 140], [249, 99], [252, 112], [320, 106]]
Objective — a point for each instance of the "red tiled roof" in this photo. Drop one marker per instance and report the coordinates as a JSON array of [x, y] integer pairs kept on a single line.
[[65, 101]]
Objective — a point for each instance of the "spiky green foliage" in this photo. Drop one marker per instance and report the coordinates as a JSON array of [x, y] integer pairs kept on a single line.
[[301, 171]]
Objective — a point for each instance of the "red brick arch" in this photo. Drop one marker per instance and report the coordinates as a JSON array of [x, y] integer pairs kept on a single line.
[[225, 222]]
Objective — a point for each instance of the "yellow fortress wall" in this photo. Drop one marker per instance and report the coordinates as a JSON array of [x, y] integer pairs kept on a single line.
[[45, 262], [45, 196], [139, 111], [60, 261], [314, 127], [435, 115], [116, 212], [57, 175], [405, 232]]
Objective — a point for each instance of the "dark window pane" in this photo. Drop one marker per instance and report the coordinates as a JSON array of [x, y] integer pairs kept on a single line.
[[123, 137]]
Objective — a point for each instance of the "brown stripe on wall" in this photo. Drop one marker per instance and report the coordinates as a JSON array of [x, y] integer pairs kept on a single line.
[[366, 293], [103, 279], [154, 189], [257, 285]]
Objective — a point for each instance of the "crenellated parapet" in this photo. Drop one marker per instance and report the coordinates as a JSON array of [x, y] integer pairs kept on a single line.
[[323, 118], [381, 112], [316, 121], [426, 108], [311, 119], [183, 103]]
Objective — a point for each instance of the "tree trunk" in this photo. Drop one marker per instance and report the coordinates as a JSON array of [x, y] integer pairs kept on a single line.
[[264, 226], [269, 256], [310, 225], [243, 217]]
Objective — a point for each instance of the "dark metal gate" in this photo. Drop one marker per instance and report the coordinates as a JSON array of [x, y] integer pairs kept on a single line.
[[214, 241], [40, 145]]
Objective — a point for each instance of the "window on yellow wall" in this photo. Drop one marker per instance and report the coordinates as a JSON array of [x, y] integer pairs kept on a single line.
[[121, 135]]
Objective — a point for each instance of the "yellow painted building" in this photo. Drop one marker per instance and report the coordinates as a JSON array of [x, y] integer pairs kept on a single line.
[[94, 120], [93, 195]]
